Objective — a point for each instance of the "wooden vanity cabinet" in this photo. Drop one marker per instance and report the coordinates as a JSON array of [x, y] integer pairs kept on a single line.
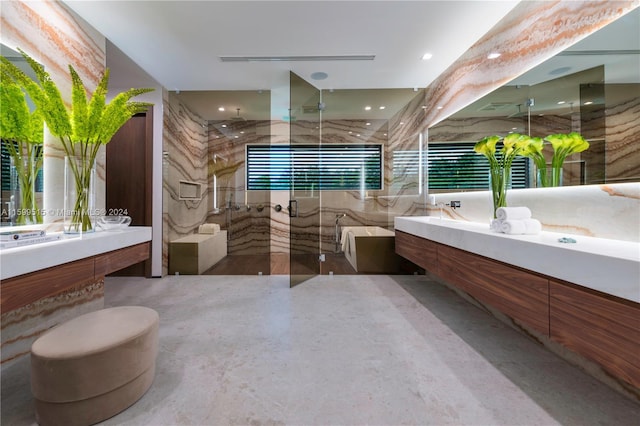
[[20, 291], [522, 295], [420, 251], [604, 329]]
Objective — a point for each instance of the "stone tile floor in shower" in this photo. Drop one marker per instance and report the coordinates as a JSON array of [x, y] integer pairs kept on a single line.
[[341, 350]]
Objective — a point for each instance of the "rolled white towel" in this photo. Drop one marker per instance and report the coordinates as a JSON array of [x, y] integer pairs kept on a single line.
[[209, 228], [521, 226], [511, 213], [514, 227], [532, 226], [496, 225], [344, 239]]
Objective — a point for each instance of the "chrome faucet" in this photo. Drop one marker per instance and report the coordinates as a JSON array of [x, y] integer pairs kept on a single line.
[[338, 237]]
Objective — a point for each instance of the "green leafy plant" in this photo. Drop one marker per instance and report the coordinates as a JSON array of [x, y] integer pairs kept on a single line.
[[81, 128], [21, 131]]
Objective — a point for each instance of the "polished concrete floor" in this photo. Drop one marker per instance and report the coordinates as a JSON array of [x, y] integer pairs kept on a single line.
[[340, 350]]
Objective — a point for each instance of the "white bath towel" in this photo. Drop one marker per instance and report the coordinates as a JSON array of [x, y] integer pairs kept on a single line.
[[513, 227], [511, 213], [533, 226], [209, 228], [496, 225], [521, 227], [344, 239]]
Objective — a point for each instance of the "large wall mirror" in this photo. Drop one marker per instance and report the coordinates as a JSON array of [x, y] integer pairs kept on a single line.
[[21, 164], [592, 88]]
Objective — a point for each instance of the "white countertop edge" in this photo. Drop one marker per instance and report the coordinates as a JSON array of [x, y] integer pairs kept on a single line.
[[608, 266], [23, 260]]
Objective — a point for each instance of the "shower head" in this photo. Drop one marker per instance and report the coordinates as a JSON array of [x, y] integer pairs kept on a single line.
[[238, 117]]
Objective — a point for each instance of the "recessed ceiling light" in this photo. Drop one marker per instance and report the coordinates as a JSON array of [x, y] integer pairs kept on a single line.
[[381, 107], [588, 103], [427, 56], [319, 75], [224, 125], [221, 109], [493, 55], [368, 124], [562, 102], [367, 108], [440, 107]]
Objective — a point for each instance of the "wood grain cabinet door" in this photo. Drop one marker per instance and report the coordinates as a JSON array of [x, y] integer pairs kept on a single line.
[[601, 328], [521, 295], [418, 250]]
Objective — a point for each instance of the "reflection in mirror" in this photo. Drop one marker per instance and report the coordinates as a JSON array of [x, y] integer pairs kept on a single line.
[[22, 151], [592, 88]]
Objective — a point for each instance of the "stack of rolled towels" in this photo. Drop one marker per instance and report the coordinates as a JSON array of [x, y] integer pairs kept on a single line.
[[515, 221], [209, 228]]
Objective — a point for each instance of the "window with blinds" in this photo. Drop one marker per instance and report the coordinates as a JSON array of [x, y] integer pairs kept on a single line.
[[456, 166], [314, 167]]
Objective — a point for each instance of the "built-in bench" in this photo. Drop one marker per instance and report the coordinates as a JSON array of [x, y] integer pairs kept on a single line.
[[194, 254]]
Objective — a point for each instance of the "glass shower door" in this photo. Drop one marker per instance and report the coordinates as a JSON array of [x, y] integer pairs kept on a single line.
[[304, 203]]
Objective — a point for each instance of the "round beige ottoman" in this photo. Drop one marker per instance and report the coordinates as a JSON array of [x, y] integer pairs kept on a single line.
[[94, 366]]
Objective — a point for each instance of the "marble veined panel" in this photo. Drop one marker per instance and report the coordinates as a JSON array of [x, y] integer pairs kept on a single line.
[[185, 145], [529, 34], [21, 327], [623, 133], [604, 211]]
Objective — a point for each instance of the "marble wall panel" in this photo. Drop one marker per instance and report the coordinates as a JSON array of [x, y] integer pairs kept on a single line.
[[245, 215], [623, 133], [604, 211], [21, 327], [185, 163], [532, 32]]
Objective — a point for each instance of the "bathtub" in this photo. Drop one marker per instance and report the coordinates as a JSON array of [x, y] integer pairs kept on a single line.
[[370, 249]]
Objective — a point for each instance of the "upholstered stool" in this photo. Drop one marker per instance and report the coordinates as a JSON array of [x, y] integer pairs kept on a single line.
[[94, 366]]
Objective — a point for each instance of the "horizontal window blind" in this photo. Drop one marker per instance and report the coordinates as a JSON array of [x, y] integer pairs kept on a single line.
[[314, 167], [457, 166], [452, 166]]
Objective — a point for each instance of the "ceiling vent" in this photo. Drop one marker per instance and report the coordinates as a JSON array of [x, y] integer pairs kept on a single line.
[[297, 58], [497, 106]]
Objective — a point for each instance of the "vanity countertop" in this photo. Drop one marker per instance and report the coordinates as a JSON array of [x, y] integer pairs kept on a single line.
[[609, 266], [23, 260]]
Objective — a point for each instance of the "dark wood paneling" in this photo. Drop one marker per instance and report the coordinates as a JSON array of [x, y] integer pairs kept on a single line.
[[116, 260], [522, 295], [20, 291], [418, 250], [129, 177], [598, 327]]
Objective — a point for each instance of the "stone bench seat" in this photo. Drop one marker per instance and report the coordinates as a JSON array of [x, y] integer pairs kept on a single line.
[[94, 366]]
